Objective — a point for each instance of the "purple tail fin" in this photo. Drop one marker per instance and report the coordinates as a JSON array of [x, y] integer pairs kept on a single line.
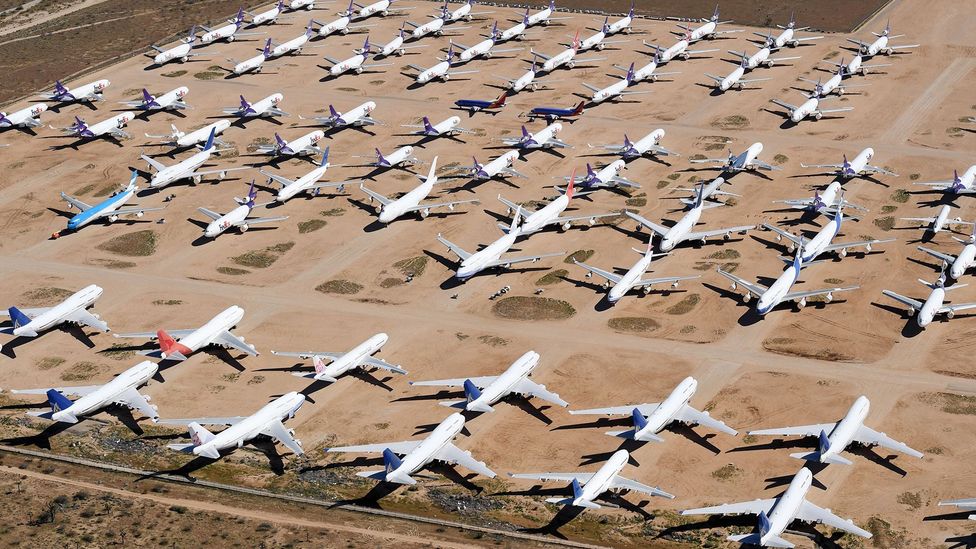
[[239, 20], [281, 142], [380, 159], [525, 132], [428, 128], [267, 48], [252, 194], [333, 112], [630, 73]]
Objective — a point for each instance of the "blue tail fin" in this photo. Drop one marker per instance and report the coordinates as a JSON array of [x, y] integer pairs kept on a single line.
[[823, 443], [210, 139], [525, 18], [606, 25], [639, 420], [57, 401], [470, 391], [577, 489], [764, 525], [19, 318], [390, 461]]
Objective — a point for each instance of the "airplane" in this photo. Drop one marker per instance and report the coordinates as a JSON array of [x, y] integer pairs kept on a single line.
[[544, 16], [340, 25], [968, 504], [401, 157], [109, 209], [269, 16], [122, 390], [708, 30], [762, 57], [598, 41], [551, 114], [416, 454], [834, 84], [411, 202], [958, 185], [648, 71], [939, 222], [647, 145], [186, 169], [464, 12], [622, 24], [712, 189], [352, 118], [252, 64], [542, 139], [959, 264], [747, 160], [834, 438], [171, 100], [478, 105], [779, 291], [481, 392], [296, 44], [395, 47], [445, 128], [587, 487], [381, 8], [268, 421], [179, 52], [615, 90], [776, 514], [550, 214], [196, 137], [650, 419], [683, 230], [179, 344], [301, 146], [526, 81], [435, 26], [74, 309], [356, 63], [823, 242], [110, 128], [825, 202], [631, 280], [295, 5], [308, 183], [264, 108], [858, 167], [517, 31], [28, 117], [441, 71], [734, 78], [788, 36], [566, 57], [933, 305], [606, 178], [880, 45], [499, 167], [87, 93], [490, 256], [361, 356], [239, 217], [227, 32], [678, 49], [856, 66], [484, 49], [809, 109]]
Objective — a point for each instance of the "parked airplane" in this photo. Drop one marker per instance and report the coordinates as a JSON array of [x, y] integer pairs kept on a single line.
[[588, 487], [445, 128], [551, 214], [649, 71], [933, 305], [650, 419], [825, 202], [340, 26], [110, 128], [464, 12], [598, 41], [517, 31], [416, 454], [856, 66], [361, 356], [490, 256], [683, 230], [966, 184], [608, 177], [566, 57], [631, 280], [551, 114], [109, 209], [442, 71], [196, 137], [788, 36], [881, 45], [776, 514], [171, 100], [544, 16], [478, 105], [747, 160], [381, 8], [734, 78], [411, 202], [74, 309], [87, 93], [395, 47], [356, 63], [296, 44], [964, 504], [542, 139], [615, 90], [356, 117], [858, 167], [122, 390], [28, 117], [239, 217], [623, 24], [500, 167], [709, 30], [308, 183], [435, 27], [295, 5], [484, 49], [809, 109], [402, 156], [679, 49], [179, 344], [264, 108], [252, 64], [779, 291], [269, 16], [834, 84], [958, 264], [647, 145], [180, 52], [186, 169], [481, 392], [301, 146], [762, 57], [712, 189], [834, 438], [268, 421], [939, 222], [227, 32]]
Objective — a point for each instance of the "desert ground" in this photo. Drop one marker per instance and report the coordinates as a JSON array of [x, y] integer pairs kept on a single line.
[[329, 277]]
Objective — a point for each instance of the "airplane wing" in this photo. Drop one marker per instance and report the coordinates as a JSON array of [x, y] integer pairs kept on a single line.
[[209, 213], [781, 59], [809, 512], [479, 382], [929, 220], [948, 258], [277, 112], [458, 251], [663, 280], [431, 206], [866, 435], [718, 232], [957, 307], [527, 387], [622, 483], [798, 240], [764, 166], [259, 220], [751, 80], [283, 181], [755, 289], [811, 293], [375, 195], [415, 67], [152, 335], [230, 340], [526, 210], [645, 409], [699, 52], [744, 508], [454, 455], [130, 210], [834, 166], [75, 202], [220, 170], [784, 104], [691, 415], [158, 166], [278, 432], [523, 259], [131, 398], [589, 59], [593, 89], [935, 183], [624, 182], [542, 55], [605, 274], [841, 109], [455, 73], [401, 448], [82, 316], [80, 391], [505, 50], [380, 363], [659, 229], [706, 160], [717, 79], [231, 420], [878, 169], [582, 478], [858, 42], [513, 172], [801, 431], [859, 243], [907, 301], [591, 218]]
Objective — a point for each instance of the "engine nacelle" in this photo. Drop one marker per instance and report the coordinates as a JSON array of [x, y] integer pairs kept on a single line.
[[400, 52], [829, 297], [291, 432], [113, 218], [734, 286], [726, 236], [818, 115], [674, 284], [592, 221], [950, 314], [639, 227], [240, 443], [842, 252], [424, 213], [910, 312], [769, 63], [184, 59], [606, 285], [645, 290], [197, 178], [230, 38], [487, 54], [801, 303], [565, 226], [243, 228], [571, 64], [589, 275], [840, 91], [867, 247], [140, 214], [600, 46], [445, 77], [746, 297], [359, 70]]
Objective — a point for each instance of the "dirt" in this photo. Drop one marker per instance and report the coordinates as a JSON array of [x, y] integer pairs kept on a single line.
[[311, 225], [633, 324], [342, 287], [579, 255], [532, 308], [44, 296], [552, 277], [262, 259], [136, 244]]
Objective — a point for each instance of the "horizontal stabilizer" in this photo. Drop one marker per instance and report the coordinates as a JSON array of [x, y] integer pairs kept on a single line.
[[186, 448], [815, 456], [755, 539], [574, 502]]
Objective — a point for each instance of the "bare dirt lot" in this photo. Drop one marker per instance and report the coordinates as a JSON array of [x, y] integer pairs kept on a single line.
[[331, 287]]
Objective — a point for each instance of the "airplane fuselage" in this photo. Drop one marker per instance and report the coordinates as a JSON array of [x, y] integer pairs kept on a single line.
[[934, 302], [646, 72], [294, 45], [356, 356], [354, 63], [280, 409], [479, 49], [434, 26], [705, 31], [732, 80], [269, 16], [231, 219], [773, 296], [541, 138], [503, 384], [394, 46], [382, 7], [810, 107], [479, 261], [78, 301], [787, 506], [178, 171], [248, 65], [98, 210], [424, 453], [664, 414], [225, 32], [181, 52], [413, 198], [843, 433], [644, 144], [87, 92], [201, 135], [593, 42], [564, 57], [602, 480], [964, 261], [302, 146], [611, 91], [339, 25], [494, 167], [540, 17], [676, 234], [301, 184], [539, 219], [515, 31], [208, 333], [619, 25], [629, 279], [106, 395]]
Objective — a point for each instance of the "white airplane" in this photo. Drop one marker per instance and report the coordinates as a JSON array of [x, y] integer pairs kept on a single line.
[[517, 31], [227, 32], [109, 209], [615, 90], [395, 47], [381, 8], [881, 45], [445, 128], [28, 117], [441, 71], [296, 44], [196, 137], [122, 390], [171, 100], [264, 108], [268, 421], [647, 145], [356, 117], [712, 189], [776, 514], [598, 41], [400, 157], [340, 26], [734, 78], [649, 71], [438, 446], [186, 169], [779, 291], [824, 203], [268, 16], [856, 66], [650, 419], [933, 305], [683, 230], [301, 146], [464, 12], [356, 63], [481, 392], [966, 184], [858, 167], [544, 16], [308, 183], [631, 280], [788, 36], [526, 81], [809, 109], [835, 84], [180, 52], [490, 256], [435, 27], [834, 438], [74, 309], [587, 487], [411, 202], [252, 64], [295, 5], [499, 167], [608, 177], [179, 344], [709, 30], [566, 57], [551, 214], [239, 217], [747, 160], [679, 49], [968, 504], [959, 264], [623, 24], [361, 356], [939, 222], [762, 57], [542, 139], [87, 93], [484, 49], [110, 128]]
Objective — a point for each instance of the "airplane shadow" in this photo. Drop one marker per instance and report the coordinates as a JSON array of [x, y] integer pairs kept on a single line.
[[749, 317], [911, 328]]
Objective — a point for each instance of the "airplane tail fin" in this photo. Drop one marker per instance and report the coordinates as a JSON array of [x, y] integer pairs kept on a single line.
[[170, 348], [525, 18], [279, 141], [59, 87], [57, 401], [700, 196], [210, 139], [494, 31], [239, 20], [267, 49], [606, 25], [798, 261], [630, 73], [380, 159], [19, 318], [390, 461], [577, 489], [428, 127], [500, 102], [309, 30], [471, 392], [639, 420], [366, 47], [199, 434], [515, 220], [572, 182], [252, 194], [576, 40], [526, 134], [432, 174], [823, 443], [245, 106], [818, 457], [332, 112]]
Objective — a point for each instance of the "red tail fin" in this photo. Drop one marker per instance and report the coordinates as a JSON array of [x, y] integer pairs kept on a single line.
[[500, 102], [576, 40], [569, 188], [168, 345], [579, 108]]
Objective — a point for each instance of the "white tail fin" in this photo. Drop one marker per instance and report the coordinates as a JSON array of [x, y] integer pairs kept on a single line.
[[432, 174]]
